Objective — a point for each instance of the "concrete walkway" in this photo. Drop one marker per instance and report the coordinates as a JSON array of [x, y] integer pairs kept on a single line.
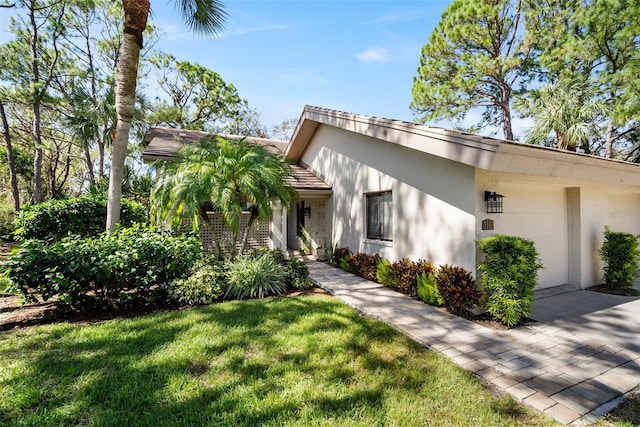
[[570, 377]]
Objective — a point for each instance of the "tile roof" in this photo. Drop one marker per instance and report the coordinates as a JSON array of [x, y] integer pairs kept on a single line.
[[162, 144]]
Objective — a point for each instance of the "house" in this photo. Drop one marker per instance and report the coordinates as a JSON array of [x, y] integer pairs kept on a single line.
[[402, 189]]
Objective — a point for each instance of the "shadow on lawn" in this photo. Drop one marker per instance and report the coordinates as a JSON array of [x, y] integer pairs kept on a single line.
[[242, 363]]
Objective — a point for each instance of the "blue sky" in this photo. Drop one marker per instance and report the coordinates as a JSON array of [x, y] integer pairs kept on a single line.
[[358, 56]]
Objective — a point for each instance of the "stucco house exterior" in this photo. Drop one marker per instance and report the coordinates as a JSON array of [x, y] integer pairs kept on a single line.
[[402, 189]]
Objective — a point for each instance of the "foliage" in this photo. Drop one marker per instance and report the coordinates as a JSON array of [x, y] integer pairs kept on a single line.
[[384, 274], [6, 286], [566, 108], [428, 289], [204, 285], [458, 289], [344, 264], [363, 265], [235, 176], [199, 98], [110, 266], [82, 216], [595, 42], [404, 274], [620, 253], [297, 274], [254, 277], [228, 364], [338, 254], [295, 269], [509, 275], [304, 241], [475, 57], [7, 221]]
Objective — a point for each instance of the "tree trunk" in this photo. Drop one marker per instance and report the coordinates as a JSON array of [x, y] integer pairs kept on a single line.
[[136, 13], [608, 139], [506, 113], [11, 163], [245, 237], [87, 158], [35, 123], [214, 232]]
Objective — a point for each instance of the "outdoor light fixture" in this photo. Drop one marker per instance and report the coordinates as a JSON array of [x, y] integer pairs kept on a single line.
[[494, 202], [307, 211]]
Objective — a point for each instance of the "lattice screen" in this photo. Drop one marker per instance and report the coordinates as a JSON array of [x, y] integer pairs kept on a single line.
[[259, 236]]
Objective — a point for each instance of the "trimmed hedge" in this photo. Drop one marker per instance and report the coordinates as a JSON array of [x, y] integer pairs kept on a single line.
[[509, 275], [81, 216], [109, 267], [620, 254]]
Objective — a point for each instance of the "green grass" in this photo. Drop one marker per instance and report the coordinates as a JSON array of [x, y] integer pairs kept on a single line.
[[281, 361]]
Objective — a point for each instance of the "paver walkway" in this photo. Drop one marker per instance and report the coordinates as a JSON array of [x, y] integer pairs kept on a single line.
[[570, 378]]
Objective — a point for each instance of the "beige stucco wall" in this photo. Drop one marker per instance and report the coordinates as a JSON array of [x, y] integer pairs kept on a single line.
[[624, 212], [433, 198], [565, 217], [533, 211]]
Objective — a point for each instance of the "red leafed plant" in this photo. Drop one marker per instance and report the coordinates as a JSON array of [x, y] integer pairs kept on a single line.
[[458, 289]]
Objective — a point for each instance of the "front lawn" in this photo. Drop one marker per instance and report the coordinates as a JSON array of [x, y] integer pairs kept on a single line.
[[308, 360]]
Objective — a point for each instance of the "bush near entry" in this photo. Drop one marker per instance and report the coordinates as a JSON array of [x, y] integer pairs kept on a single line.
[[509, 275], [620, 253]]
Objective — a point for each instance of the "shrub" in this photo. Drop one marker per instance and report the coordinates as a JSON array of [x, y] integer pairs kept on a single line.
[[509, 275], [254, 277], [203, 286], [296, 271], [403, 274], [133, 259], [428, 289], [7, 221], [83, 216], [620, 255], [458, 289], [338, 254], [302, 284], [384, 274], [363, 265]]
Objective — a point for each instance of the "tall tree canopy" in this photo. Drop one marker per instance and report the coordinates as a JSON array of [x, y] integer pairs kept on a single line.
[[199, 98], [203, 17], [573, 54], [475, 57]]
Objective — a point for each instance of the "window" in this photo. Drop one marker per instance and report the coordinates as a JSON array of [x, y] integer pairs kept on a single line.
[[379, 216]]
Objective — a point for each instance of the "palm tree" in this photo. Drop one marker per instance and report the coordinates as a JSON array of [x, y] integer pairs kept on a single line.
[[234, 176], [567, 108], [202, 16]]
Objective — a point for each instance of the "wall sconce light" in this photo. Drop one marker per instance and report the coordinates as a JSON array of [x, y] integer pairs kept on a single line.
[[307, 211], [494, 202]]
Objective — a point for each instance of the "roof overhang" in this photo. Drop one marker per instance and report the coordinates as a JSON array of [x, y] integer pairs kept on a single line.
[[473, 150], [487, 153]]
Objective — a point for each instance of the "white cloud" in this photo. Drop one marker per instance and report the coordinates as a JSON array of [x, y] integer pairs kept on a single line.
[[374, 55]]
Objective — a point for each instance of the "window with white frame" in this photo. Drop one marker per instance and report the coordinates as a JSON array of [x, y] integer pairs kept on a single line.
[[379, 216]]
